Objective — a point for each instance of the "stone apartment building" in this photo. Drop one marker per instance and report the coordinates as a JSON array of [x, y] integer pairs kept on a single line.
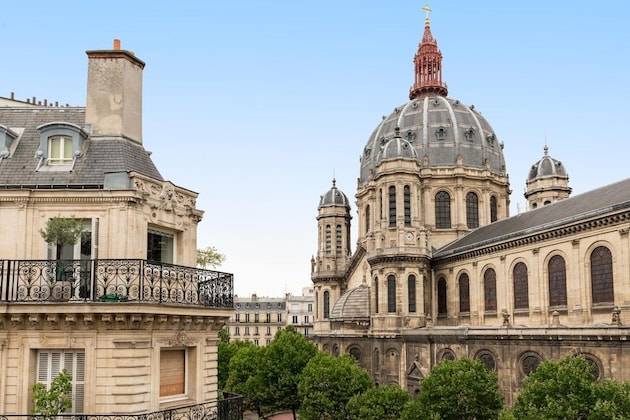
[[125, 310]]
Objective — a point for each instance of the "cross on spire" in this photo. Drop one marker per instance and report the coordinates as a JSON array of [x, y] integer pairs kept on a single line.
[[427, 10]]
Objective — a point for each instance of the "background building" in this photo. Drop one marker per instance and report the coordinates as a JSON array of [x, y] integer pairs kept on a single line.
[[441, 271], [124, 310]]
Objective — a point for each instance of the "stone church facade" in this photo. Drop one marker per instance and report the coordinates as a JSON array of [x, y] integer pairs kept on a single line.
[[441, 271]]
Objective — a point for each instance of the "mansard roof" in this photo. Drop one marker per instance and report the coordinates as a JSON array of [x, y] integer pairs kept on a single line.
[[601, 201], [101, 155]]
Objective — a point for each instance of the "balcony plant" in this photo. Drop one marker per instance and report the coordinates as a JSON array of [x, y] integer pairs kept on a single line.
[[62, 231], [50, 402]]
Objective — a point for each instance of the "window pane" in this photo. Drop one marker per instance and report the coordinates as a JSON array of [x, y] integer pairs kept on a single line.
[[557, 281], [464, 293], [602, 276], [472, 210], [391, 293], [490, 290], [442, 299], [392, 206], [411, 292], [521, 290], [442, 210], [407, 202]]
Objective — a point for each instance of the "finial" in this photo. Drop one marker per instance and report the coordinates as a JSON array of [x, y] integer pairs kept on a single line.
[[546, 149], [334, 182], [427, 10], [397, 132]]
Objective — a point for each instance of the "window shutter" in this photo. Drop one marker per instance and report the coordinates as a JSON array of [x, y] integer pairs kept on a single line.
[[172, 372]]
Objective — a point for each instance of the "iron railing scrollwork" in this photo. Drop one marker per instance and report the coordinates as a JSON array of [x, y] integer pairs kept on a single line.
[[113, 280]]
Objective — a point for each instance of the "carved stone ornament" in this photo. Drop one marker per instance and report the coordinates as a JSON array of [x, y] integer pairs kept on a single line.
[[179, 339]]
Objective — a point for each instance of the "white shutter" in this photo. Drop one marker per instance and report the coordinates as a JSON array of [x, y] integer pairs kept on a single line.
[[51, 363]]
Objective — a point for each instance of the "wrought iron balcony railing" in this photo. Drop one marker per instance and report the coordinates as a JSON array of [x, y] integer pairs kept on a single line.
[[116, 280], [230, 407]]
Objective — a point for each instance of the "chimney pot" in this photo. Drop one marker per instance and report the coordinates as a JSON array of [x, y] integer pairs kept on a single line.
[[116, 44], [12, 95]]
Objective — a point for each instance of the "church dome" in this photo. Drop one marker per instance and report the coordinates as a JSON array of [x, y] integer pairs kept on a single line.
[[353, 304], [396, 148], [334, 197], [547, 167], [443, 131]]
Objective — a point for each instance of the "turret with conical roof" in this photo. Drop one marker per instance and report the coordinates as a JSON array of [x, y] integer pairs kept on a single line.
[[548, 182]]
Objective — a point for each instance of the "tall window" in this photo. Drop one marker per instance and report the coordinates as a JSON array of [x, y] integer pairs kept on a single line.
[[380, 205], [328, 239], [59, 150], [338, 239], [490, 290], [407, 204], [392, 206], [376, 294], [442, 210], [521, 289], [173, 372], [391, 293], [493, 209], [464, 293], [367, 218], [602, 276], [442, 299], [411, 292], [326, 304], [557, 281], [160, 246], [472, 210], [51, 362]]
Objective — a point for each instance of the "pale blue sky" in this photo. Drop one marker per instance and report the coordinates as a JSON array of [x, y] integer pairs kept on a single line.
[[256, 104]]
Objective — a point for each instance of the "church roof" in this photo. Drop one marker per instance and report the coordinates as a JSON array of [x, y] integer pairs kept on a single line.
[[353, 304], [594, 203], [547, 167], [334, 197], [101, 156]]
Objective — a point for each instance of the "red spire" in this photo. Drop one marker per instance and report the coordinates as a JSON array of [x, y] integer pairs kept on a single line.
[[428, 65]]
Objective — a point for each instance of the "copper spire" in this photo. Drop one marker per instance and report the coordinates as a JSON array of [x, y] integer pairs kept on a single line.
[[428, 65]]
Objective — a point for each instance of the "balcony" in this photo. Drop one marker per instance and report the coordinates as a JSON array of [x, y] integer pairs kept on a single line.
[[228, 408], [113, 280]]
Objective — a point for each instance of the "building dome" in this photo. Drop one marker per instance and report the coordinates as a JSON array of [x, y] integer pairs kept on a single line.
[[396, 148], [443, 133], [547, 167], [353, 304], [334, 197]]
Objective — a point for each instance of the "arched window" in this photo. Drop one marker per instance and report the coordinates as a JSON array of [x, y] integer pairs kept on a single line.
[[380, 205], [464, 293], [338, 239], [376, 294], [392, 206], [328, 239], [441, 292], [367, 218], [493, 209], [557, 281], [472, 210], [490, 290], [411, 292], [521, 289], [326, 304], [602, 276], [442, 210], [407, 202], [391, 293]]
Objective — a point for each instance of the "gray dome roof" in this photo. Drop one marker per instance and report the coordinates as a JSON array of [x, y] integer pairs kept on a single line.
[[334, 197], [353, 304], [396, 148], [440, 129], [547, 167]]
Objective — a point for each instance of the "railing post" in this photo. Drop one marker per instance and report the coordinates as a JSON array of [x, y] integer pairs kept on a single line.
[[141, 279]]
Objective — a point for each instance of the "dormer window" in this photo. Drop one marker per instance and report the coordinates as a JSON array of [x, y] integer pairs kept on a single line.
[[470, 134], [60, 150], [440, 133], [7, 141]]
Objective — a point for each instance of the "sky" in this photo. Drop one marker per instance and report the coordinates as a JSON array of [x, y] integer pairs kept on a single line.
[[257, 105]]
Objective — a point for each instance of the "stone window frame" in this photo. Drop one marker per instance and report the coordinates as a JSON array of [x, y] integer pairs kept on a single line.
[[59, 130]]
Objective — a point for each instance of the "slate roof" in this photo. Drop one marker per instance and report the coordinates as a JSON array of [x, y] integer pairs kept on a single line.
[[353, 304], [101, 156], [600, 201]]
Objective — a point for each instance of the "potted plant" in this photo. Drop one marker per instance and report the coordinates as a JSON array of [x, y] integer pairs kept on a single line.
[[62, 231], [50, 402]]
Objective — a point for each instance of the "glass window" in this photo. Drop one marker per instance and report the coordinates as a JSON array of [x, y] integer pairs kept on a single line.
[[442, 298], [602, 276], [326, 304], [493, 209], [472, 210], [464, 293], [391, 293], [407, 204], [411, 292], [521, 292], [392, 206], [51, 362], [328, 239], [557, 281], [490, 290], [376, 294], [59, 150], [160, 246], [442, 210], [367, 218], [338, 239]]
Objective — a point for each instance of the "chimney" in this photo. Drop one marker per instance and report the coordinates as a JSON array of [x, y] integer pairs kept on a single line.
[[114, 93]]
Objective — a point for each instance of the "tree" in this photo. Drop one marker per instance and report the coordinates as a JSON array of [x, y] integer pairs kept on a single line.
[[287, 355], [567, 389], [226, 350], [382, 403], [326, 385], [49, 402], [209, 257], [245, 377], [461, 389], [62, 231]]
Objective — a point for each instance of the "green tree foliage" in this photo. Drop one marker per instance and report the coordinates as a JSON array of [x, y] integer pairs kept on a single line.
[[287, 355], [227, 350], [566, 389], [382, 403], [49, 402], [62, 231], [209, 257], [326, 385], [461, 389], [245, 376]]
